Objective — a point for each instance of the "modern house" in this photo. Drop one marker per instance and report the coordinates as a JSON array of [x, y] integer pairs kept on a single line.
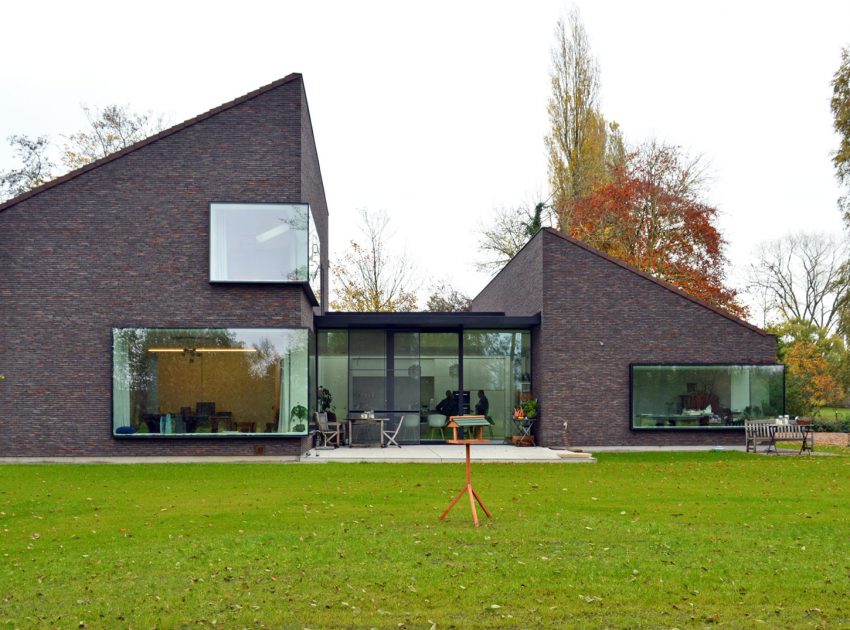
[[170, 299]]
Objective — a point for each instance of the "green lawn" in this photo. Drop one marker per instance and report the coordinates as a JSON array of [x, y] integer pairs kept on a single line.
[[637, 540], [834, 413]]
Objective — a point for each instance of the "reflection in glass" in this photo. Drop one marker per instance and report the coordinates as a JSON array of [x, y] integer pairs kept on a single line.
[[263, 242], [333, 373], [368, 370], [705, 396], [210, 381], [498, 364]]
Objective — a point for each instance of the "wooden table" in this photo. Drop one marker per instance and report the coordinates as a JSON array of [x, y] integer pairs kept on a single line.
[[468, 422], [364, 422]]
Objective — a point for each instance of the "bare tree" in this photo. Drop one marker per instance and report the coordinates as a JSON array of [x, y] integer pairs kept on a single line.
[[370, 277], [110, 129], [36, 166], [803, 277], [509, 231]]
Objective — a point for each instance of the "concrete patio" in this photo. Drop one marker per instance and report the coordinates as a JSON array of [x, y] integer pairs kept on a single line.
[[447, 453]]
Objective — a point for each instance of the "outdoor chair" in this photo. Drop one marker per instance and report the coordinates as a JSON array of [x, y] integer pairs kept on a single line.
[[437, 421], [410, 428], [328, 431], [390, 433]]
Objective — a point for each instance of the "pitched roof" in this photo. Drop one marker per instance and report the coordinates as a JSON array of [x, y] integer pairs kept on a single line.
[[655, 280], [295, 76]]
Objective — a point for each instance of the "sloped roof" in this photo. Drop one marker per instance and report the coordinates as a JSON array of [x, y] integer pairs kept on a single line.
[[655, 280], [295, 76]]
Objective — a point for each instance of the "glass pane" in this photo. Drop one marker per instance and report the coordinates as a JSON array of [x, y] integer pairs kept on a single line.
[[333, 373], [406, 372], [258, 242], [368, 370], [705, 396], [497, 372], [314, 259], [210, 381], [439, 377]]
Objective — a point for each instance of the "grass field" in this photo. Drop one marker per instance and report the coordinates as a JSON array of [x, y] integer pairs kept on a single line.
[[637, 540]]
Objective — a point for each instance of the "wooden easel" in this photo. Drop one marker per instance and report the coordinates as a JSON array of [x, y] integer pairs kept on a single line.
[[468, 422]]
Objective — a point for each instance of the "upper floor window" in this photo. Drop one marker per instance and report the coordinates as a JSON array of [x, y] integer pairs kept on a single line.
[[262, 242]]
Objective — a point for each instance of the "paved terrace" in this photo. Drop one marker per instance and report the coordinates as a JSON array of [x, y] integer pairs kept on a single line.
[[438, 453]]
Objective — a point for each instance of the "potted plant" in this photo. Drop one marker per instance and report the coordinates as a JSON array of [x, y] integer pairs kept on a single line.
[[326, 403], [530, 408], [299, 412]]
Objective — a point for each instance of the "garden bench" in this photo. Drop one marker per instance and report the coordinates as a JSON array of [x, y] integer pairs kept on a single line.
[[769, 432]]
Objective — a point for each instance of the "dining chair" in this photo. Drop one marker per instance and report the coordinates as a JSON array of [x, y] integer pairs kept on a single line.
[[328, 431], [437, 421]]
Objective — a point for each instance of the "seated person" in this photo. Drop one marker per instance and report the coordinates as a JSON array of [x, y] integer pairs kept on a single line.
[[482, 407], [448, 405]]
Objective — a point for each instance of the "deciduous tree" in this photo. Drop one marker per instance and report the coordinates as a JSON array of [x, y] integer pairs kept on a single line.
[[445, 299], [803, 277], [509, 231], [370, 277], [840, 106], [652, 214], [110, 129], [35, 169], [580, 142]]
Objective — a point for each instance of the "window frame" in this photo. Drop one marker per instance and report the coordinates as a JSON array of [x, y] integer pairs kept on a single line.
[[208, 436], [632, 366], [275, 281]]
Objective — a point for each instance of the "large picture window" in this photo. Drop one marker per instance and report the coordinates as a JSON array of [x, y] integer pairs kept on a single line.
[[210, 381], [262, 242], [705, 396]]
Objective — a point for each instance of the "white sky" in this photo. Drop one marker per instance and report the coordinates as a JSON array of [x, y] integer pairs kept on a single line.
[[436, 112]]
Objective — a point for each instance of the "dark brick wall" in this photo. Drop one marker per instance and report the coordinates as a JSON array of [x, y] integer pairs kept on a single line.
[[127, 244], [597, 318], [313, 190]]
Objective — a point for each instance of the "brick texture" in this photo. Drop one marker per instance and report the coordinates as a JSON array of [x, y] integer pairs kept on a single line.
[[127, 244], [597, 317]]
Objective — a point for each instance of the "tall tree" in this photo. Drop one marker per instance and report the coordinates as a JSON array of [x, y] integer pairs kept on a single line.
[[111, 129], [370, 277], [804, 277], [578, 141], [510, 230], [840, 105], [652, 214], [36, 166]]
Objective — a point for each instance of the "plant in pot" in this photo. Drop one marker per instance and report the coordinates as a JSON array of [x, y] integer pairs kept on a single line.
[[530, 407], [326, 403], [299, 414]]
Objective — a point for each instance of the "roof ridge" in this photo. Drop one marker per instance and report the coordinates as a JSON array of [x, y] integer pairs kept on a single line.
[[659, 282], [149, 140]]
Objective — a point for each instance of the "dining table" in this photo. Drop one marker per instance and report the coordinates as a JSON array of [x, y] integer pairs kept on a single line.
[[365, 431]]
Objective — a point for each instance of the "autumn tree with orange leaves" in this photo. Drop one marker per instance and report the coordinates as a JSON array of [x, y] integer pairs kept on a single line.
[[652, 214]]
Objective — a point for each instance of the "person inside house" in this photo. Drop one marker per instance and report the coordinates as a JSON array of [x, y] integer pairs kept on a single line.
[[482, 407], [447, 406]]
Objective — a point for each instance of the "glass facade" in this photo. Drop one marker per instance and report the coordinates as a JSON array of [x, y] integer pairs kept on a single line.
[[210, 381], [705, 396], [264, 242], [414, 374]]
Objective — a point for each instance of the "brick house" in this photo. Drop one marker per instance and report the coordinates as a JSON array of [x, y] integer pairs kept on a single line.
[[170, 299]]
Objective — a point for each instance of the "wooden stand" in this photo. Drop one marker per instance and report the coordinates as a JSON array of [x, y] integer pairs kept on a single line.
[[473, 495]]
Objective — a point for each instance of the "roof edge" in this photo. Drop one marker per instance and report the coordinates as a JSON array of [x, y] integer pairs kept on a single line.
[[661, 283], [145, 142]]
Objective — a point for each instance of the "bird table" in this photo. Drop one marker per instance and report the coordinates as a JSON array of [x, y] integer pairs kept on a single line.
[[468, 423]]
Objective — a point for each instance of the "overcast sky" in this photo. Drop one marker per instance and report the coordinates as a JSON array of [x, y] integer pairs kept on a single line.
[[436, 112]]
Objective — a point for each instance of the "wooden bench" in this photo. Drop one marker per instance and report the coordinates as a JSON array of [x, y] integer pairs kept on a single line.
[[769, 432]]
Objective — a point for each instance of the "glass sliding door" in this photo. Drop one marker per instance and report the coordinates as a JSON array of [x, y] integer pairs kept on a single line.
[[332, 394], [497, 373], [367, 370], [439, 381]]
